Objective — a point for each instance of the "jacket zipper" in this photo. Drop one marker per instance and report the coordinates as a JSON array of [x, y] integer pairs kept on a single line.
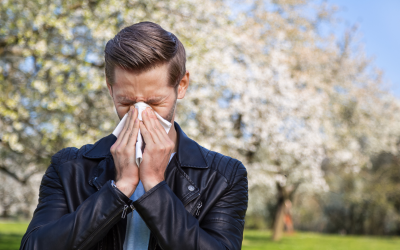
[[195, 208], [124, 211], [198, 209], [84, 243]]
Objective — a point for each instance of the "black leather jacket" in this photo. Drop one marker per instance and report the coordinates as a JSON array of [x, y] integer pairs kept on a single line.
[[201, 204]]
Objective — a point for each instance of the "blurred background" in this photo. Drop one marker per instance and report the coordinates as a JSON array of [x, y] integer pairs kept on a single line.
[[305, 93]]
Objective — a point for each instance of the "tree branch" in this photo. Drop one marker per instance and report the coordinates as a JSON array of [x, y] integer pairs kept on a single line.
[[23, 180]]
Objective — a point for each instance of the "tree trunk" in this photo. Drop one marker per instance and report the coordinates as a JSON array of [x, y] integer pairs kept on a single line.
[[279, 222], [6, 210], [282, 209]]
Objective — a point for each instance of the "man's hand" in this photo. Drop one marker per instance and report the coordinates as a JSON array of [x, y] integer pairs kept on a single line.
[[157, 151], [123, 152]]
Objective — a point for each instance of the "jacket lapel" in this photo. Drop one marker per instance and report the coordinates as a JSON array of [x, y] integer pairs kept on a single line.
[[105, 170]]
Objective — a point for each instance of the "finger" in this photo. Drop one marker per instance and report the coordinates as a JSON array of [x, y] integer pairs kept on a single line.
[[164, 143], [134, 132], [159, 130], [120, 136], [146, 135], [150, 124], [129, 128]]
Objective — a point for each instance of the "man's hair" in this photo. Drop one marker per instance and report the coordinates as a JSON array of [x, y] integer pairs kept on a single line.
[[143, 46]]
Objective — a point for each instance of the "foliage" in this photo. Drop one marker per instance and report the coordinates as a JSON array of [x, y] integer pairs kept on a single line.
[[367, 203]]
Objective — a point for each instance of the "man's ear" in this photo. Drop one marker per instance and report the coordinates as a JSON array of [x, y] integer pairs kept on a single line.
[[183, 85]]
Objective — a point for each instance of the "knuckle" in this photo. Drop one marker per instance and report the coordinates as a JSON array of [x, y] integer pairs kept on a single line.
[[124, 150]]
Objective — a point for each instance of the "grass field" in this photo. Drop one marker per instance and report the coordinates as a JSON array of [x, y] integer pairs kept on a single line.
[[11, 234], [260, 240]]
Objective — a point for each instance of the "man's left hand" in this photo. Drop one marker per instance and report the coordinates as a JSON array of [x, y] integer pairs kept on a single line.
[[157, 151]]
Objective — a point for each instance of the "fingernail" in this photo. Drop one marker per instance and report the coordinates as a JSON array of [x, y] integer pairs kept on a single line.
[[144, 112]]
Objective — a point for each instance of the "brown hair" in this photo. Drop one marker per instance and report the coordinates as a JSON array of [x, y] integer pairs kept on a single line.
[[143, 46]]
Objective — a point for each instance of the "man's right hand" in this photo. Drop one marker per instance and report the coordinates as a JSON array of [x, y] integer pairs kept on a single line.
[[123, 152]]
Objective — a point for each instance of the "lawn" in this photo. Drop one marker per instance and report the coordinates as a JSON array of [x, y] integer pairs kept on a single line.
[[11, 234], [260, 240]]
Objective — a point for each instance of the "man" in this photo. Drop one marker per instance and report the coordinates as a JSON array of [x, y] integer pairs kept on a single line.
[[184, 196]]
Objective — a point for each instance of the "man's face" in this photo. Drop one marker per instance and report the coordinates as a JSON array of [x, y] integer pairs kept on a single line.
[[150, 87]]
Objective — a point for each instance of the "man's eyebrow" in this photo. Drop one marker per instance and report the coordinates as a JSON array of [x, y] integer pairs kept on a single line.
[[148, 100], [125, 98]]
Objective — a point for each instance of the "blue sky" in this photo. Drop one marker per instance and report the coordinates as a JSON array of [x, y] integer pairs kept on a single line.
[[379, 24]]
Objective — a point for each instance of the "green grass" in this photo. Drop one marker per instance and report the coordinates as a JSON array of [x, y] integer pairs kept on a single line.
[[11, 234], [257, 240]]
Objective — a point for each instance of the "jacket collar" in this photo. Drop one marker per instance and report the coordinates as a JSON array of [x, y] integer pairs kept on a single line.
[[190, 154]]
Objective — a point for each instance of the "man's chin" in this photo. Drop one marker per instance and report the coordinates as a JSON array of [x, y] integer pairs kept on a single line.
[[168, 118]]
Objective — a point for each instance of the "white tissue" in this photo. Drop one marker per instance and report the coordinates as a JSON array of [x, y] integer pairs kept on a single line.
[[140, 106]]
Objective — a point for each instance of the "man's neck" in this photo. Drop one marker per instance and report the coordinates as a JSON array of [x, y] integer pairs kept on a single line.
[[173, 136]]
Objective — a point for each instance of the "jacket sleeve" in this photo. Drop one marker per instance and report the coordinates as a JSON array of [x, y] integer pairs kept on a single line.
[[175, 228], [54, 227]]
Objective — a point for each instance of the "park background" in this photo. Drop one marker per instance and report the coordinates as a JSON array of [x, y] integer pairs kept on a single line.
[[292, 88]]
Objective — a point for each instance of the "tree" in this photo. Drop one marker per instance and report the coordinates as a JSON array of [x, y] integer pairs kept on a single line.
[[289, 99], [266, 87]]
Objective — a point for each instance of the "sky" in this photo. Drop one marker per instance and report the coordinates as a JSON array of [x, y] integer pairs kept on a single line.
[[379, 26]]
